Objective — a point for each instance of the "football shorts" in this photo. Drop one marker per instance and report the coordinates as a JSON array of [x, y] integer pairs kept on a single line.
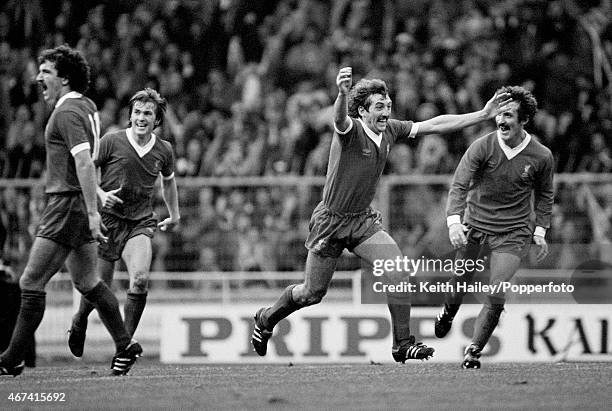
[[331, 232], [120, 230], [64, 220]]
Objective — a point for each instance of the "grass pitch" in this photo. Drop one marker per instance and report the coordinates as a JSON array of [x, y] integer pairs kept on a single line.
[[416, 385]]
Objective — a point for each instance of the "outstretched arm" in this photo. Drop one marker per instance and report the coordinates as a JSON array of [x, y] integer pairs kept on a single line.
[[447, 123], [343, 81]]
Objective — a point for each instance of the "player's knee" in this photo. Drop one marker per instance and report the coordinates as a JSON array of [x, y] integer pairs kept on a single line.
[[32, 281], [396, 277], [140, 282], [82, 286], [26, 283], [317, 296], [310, 297]]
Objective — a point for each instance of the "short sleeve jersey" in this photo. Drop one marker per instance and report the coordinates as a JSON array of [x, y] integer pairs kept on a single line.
[[73, 126], [356, 163], [133, 168]]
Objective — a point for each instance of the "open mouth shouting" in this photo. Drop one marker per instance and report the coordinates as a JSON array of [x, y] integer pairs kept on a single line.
[[45, 90], [504, 128], [49, 82]]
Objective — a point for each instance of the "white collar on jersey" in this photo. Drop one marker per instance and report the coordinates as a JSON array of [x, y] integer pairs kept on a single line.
[[512, 152], [70, 94], [140, 150], [376, 138]]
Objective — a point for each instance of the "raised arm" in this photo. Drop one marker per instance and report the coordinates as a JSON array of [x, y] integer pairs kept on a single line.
[[343, 81], [447, 123]]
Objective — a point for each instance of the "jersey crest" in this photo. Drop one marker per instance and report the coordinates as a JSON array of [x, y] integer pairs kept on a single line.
[[525, 173]]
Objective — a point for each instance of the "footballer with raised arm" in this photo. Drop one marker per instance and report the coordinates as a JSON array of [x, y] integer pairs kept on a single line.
[[364, 134]]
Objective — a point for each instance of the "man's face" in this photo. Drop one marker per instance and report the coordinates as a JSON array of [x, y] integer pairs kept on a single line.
[[50, 83], [143, 118], [377, 113], [509, 127]]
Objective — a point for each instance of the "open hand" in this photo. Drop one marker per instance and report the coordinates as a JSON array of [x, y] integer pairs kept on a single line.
[[109, 198], [497, 104]]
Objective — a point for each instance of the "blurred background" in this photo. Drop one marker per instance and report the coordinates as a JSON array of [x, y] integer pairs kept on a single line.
[[250, 85]]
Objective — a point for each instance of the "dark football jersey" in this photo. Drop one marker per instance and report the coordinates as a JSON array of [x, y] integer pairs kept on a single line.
[[74, 125], [499, 190], [356, 163], [126, 165]]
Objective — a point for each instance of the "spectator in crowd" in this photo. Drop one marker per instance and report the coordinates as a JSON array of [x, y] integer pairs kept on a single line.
[[450, 57], [25, 155], [600, 217], [254, 76]]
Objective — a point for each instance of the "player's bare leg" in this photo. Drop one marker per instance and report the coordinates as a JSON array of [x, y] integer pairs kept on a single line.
[[382, 246], [137, 255], [46, 258], [317, 276], [503, 268]]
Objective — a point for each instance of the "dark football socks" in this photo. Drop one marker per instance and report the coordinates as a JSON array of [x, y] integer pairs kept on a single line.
[[134, 306], [85, 308], [30, 315], [453, 299], [485, 323], [399, 307], [281, 309], [107, 306]]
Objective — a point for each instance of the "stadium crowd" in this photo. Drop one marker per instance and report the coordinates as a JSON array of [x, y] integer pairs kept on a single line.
[[249, 87]]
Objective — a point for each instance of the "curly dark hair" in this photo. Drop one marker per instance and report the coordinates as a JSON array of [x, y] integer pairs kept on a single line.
[[70, 64], [527, 102], [359, 96], [150, 95]]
